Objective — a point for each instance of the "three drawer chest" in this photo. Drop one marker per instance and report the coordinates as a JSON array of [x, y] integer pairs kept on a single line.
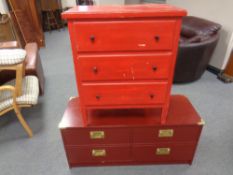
[[124, 58]]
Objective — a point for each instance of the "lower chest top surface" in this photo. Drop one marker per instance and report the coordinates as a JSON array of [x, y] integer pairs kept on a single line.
[[181, 112]]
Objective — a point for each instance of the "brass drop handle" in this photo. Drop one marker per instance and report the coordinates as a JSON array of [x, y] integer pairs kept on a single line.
[[97, 97], [154, 68], [157, 38], [95, 70], [92, 38], [152, 96]]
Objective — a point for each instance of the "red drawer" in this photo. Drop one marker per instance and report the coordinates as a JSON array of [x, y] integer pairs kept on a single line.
[[124, 67], [164, 153], [124, 35], [84, 136], [98, 155], [166, 134], [124, 93]]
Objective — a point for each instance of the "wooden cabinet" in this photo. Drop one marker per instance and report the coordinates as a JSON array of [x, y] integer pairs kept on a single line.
[[27, 21], [6, 29], [227, 74], [124, 56], [131, 136]]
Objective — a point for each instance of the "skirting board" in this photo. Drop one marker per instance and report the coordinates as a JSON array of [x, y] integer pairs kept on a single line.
[[213, 70]]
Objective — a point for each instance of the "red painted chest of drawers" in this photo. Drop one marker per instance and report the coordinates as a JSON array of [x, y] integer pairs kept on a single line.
[[132, 136], [124, 56]]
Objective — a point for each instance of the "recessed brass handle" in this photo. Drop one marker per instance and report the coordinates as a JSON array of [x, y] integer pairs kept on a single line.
[[99, 152], [163, 151], [97, 134], [166, 133], [157, 38]]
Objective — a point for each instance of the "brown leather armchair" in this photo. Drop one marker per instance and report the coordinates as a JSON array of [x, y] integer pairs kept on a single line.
[[198, 40], [33, 64]]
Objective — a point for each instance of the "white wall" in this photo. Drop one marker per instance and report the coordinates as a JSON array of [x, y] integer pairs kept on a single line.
[[110, 2], [133, 1], [68, 3], [218, 11], [3, 6]]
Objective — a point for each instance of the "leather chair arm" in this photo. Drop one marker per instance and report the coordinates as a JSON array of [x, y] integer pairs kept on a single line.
[[31, 57]]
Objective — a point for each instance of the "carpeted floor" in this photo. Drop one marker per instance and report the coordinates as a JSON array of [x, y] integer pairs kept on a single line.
[[44, 154]]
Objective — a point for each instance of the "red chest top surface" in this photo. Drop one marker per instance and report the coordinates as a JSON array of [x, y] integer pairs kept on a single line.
[[124, 56], [181, 112], [125, 11]]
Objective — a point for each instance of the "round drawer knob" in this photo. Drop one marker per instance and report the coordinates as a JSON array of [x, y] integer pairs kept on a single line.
[[92, 38], [157, 38], [154, 68], [97, 97], [152, 96], [95, 70]]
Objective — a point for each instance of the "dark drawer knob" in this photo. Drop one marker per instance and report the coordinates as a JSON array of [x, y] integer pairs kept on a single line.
[[154, 68], [152, 96], [92, 38], [97, 97], [157, 38], [95, 70]]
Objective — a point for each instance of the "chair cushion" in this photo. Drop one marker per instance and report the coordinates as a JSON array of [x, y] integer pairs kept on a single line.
[[12, 56], [30, 92]]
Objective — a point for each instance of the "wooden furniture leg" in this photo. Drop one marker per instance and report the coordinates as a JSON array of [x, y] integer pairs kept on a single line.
[[164, 115], [227, 75], [84, 115], [22, 121]]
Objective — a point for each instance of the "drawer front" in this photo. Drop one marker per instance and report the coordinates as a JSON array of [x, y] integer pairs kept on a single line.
[[99, 155], [124, 67], [95, 136], [166, 134], [124, 93], [164, 153], [124, 35]]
